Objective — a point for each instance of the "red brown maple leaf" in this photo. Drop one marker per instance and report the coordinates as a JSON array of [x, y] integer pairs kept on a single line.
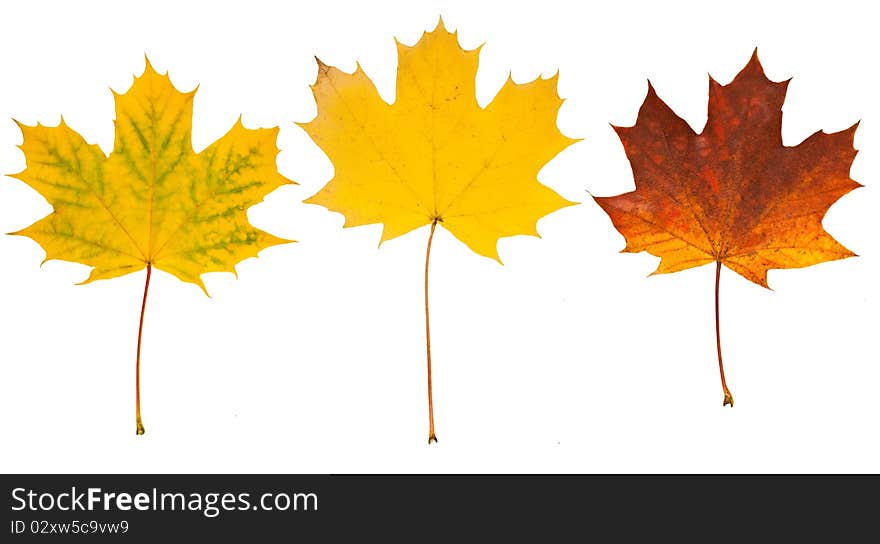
[[733, 194]]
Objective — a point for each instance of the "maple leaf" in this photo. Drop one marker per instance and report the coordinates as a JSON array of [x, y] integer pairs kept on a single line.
[[435, 156], [733, 194], [154, 202]]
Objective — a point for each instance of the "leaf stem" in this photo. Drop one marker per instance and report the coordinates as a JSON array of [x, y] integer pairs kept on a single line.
[[728, 398], [137, 369], [431, 436]]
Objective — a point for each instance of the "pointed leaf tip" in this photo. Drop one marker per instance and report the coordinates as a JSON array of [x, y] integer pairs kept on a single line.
[[754, 66], [323, 69], [754, 57], [148, 67]]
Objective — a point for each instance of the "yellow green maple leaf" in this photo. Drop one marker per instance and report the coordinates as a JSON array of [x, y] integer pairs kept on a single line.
[[435, 156], [153, 202]]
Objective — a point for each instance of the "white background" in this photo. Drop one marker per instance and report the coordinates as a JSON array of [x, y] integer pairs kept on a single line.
[[566, 359]]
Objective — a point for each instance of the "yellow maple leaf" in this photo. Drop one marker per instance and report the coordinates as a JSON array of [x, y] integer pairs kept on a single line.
[[435, 156], [153, 202]]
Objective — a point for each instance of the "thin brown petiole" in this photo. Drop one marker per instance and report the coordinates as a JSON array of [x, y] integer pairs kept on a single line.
[[137, 368], [431, 436], [728, 398]]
